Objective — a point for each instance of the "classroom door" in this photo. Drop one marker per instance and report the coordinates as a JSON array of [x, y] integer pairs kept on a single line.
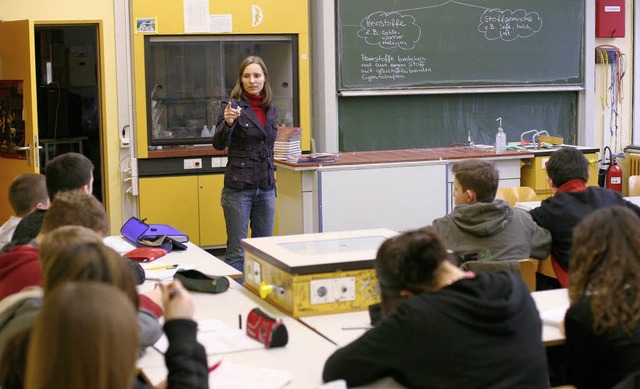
[[18, 144]]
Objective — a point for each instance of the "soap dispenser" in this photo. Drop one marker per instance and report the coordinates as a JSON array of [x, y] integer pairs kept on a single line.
[[501, 138]]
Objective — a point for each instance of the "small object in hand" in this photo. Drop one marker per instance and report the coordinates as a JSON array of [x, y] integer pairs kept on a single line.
[[197, 281]]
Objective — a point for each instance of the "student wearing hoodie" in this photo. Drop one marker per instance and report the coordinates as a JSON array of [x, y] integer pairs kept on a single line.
[[443, 327], [483, 228]]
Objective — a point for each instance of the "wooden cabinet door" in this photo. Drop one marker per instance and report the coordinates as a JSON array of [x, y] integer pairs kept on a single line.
[[172, 200]]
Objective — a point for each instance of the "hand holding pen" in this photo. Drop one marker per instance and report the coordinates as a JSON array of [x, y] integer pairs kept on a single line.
[[231, 112], [177, 302]]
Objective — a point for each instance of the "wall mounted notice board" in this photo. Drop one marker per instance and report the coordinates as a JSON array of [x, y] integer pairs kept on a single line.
[[503, 46]]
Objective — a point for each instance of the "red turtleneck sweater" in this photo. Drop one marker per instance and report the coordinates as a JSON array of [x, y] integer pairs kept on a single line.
[[261, 113]]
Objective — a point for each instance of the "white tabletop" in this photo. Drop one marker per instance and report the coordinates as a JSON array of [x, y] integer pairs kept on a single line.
[[344, 328], [304, 355], [193, 255], [529, 205]]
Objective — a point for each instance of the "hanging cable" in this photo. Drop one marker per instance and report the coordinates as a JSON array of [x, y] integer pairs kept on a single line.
[[612, 92]]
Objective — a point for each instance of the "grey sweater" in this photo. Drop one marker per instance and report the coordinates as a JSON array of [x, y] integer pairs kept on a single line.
[[493, 231]]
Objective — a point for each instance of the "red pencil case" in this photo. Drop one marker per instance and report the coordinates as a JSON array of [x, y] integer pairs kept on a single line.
[[145, 254], [266, 329]]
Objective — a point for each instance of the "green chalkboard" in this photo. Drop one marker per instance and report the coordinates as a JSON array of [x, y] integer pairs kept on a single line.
[[437, 43], [405, 122]]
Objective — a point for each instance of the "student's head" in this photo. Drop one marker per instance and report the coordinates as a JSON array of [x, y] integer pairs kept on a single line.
[[605, 265], [409, 262], [28, 192], [75, 208], [83, 258], [566, 164], [93, 329], [475, 181], [70, 171], [253, 71], [26, 230]]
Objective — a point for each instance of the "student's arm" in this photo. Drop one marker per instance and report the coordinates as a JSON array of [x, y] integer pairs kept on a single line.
[[185, 358], [222, 134], [540, 240], [376, 354]]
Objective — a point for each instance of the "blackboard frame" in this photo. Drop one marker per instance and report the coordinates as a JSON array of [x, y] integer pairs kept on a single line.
[[564, 35]]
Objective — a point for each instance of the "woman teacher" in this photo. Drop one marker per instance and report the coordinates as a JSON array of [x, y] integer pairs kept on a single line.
[[246, 125]]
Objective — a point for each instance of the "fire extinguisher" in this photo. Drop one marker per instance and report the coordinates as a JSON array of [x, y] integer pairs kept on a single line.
[[610, 174]]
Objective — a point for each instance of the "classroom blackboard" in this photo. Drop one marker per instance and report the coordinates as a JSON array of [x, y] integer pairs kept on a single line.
[[422, 121], [404, 44]]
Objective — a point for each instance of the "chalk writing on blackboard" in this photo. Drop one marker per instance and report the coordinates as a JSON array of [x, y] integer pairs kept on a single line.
[[396, 29]]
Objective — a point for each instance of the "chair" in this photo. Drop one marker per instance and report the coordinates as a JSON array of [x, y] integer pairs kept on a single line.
[[634, 185], [523, 267], [516, 194]]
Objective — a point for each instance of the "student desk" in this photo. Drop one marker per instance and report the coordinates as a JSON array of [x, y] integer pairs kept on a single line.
[[304, 355], [333, 326], [202, 260]]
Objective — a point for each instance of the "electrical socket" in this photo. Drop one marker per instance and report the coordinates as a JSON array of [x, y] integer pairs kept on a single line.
[[344, 289], [255, 272], [193, 163], [321, 291], [216, 162]]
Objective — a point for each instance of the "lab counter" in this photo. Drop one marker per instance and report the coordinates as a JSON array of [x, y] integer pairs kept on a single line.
[[394, 189]]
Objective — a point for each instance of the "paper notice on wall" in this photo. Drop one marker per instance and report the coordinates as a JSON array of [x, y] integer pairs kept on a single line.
[[196, 16], [221, 23]]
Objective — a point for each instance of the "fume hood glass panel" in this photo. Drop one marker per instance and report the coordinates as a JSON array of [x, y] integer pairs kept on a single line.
[[188, 76]]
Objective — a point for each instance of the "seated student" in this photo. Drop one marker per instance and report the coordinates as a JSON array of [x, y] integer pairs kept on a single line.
[[484, 228], [568, 172], [68, 172], [95, 340], [444, 328], [27, 192], [69, 253], [603, 322], [19, 266]]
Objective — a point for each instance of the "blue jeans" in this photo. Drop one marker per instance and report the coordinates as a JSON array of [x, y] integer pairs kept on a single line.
[[241, 207]]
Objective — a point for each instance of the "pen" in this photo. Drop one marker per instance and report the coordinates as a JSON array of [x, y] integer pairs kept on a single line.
[[162, 267], [215, 366]]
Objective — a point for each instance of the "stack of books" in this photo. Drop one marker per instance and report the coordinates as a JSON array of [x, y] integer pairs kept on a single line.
[[287, 142]]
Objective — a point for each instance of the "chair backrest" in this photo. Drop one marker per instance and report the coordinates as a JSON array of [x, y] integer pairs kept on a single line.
[[516, 194], [523, 267], [528, 273], [634, 185]]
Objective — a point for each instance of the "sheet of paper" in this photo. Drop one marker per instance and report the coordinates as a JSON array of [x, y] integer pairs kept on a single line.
[[231, 375], [217, 338], [221, 23], [163, 274], [118, 244], [196, 16], [553, 317]]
